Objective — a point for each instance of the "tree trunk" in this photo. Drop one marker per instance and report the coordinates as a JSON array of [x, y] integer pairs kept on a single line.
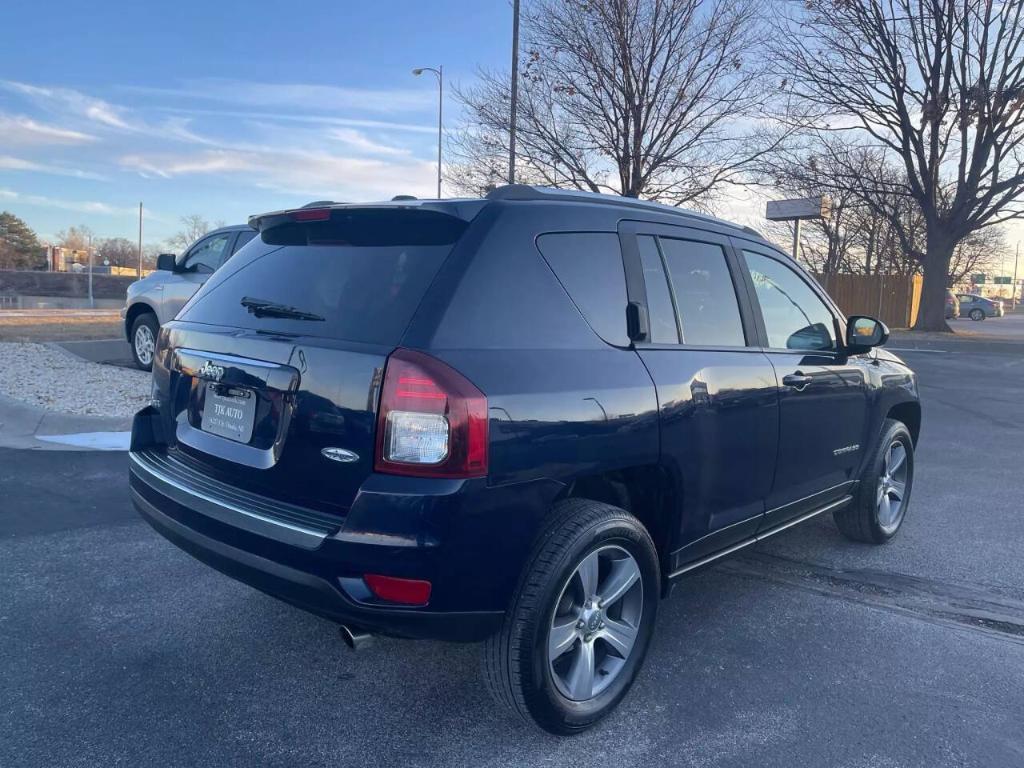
[[931, 315], [869, 251]]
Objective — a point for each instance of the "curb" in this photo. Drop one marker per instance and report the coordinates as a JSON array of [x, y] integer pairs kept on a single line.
[[956, 342], [21, 425]]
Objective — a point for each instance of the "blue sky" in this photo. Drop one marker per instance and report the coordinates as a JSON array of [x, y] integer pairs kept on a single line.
[[225, 108]]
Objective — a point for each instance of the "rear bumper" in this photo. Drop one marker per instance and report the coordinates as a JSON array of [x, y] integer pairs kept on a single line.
[[468, 539], [314, 593]]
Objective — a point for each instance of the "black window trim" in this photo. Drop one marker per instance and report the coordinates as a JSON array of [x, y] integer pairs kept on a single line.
[[629, 232], [838, 319]]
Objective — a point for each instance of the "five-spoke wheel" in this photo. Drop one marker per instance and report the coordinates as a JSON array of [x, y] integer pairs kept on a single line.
[[595, 623], [892, 487], [879, 504], [580, 621]]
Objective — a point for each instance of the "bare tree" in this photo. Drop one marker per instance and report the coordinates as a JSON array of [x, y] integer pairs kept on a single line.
[[938, 87], [75, 238], [118, 251], [193, 227], [645, 98], [980, 251]]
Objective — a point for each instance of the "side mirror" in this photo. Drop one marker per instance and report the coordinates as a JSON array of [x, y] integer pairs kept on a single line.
[[166, 262], [864, 332]]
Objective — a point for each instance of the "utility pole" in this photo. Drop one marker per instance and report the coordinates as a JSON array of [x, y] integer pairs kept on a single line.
[[1013, 288], [140, 241], [515, 94], [92, 302]]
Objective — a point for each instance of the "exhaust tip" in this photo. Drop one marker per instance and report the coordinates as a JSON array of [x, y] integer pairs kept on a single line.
[[355, 638]]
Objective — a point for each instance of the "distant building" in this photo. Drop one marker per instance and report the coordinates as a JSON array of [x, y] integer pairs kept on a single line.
[[60, 259]]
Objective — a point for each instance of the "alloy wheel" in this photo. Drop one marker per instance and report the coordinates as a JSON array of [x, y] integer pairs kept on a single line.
[[144, 344], [595, 623], [892, 487]]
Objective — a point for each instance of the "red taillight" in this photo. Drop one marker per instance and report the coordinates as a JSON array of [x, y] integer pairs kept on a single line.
[[432, 422], [311, 214], [396, 590]]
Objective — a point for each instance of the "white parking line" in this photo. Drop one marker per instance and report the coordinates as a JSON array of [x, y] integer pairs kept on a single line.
[[98, 441], [933, 351]]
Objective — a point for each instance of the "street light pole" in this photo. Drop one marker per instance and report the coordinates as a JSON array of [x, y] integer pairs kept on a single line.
[[439, 71], [514, 95]]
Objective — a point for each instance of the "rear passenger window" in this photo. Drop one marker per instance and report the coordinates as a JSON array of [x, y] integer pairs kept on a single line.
[[661, 313], [705, 297], [589, 266]]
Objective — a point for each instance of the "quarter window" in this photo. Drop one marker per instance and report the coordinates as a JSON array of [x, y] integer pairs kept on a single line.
[[794, 316], [705, 297], [589, 266], [244, 237]]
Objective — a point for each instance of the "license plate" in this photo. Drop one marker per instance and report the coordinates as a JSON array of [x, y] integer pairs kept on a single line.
[[229, 412]]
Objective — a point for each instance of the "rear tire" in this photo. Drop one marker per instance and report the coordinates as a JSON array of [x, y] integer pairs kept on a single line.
[[561, 660], [143, 340], [977, 314], [879, 506]]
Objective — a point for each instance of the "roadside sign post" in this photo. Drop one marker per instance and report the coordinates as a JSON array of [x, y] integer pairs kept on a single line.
[[797, 210]]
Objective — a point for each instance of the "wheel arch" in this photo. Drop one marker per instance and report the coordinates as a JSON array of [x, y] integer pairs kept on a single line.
[[909, 413], [647, 492], [133, 312]]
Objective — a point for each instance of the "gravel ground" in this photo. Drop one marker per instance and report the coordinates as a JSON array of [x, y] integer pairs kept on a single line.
[[48, 377]]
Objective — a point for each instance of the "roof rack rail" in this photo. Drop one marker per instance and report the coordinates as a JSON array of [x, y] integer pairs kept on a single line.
[[528, 192]]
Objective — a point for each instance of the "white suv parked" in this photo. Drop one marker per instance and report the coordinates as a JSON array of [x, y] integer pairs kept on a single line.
[[156, 298]]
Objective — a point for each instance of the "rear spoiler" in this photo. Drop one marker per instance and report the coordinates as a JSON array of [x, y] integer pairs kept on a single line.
[[464, 209]]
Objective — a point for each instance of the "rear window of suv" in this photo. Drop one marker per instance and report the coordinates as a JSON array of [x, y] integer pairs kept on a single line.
[[361, 274]]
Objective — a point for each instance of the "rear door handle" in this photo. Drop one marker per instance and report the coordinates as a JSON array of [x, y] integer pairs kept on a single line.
[[797, 381]]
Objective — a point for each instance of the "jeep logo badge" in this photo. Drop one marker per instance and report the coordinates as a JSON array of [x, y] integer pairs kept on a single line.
[[211, 371], [340, 454]]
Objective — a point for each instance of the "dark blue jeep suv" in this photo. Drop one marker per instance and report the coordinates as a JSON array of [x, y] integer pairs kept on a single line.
[[516, 419]]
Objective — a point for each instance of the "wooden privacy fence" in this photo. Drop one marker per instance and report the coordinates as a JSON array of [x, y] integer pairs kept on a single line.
[[893, 299]]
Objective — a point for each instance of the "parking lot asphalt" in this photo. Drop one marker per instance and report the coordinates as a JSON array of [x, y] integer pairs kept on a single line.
[[118, 649], [106, 351]]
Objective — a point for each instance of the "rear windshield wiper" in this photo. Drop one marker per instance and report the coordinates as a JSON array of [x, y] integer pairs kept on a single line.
[[264, 308]]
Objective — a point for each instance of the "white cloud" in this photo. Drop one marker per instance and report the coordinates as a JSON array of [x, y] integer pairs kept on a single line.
[[74, 102], [167, 166], [302, 172], [9, 163], [306, 96], [314, 119], [82, 206], [23, 131], [359, 141]]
